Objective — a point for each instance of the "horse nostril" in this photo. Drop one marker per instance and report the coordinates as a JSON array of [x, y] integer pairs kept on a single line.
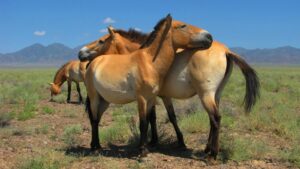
[[209, 37], [79, 53]]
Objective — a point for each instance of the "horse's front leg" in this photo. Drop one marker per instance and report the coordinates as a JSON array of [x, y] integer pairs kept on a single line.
[[172, 117], [79, 93], [144, 107], [69, 91], [152, 119]]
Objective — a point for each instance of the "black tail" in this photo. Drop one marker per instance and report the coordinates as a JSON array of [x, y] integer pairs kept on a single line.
[[252, 81], [88, 107]]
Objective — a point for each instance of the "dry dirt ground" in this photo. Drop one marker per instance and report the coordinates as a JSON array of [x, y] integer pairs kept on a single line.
[[22, 141]]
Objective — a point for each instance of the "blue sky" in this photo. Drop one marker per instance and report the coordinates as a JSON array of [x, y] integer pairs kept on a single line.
[[249, 24]]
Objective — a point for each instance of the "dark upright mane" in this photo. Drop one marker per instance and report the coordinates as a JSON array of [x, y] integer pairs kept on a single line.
[[133, 35], [153, 34]]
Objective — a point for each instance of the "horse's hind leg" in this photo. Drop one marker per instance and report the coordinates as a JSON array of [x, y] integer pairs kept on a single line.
[[79, 93], [152, 119], [172, 117], [69, 91], [209, 103], [95, 107]]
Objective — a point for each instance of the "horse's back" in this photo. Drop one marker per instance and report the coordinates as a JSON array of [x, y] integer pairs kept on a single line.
[[73, 72]]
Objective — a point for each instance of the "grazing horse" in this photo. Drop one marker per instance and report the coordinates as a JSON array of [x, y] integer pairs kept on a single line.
[[71, 71], [204, 73], [139, 75]]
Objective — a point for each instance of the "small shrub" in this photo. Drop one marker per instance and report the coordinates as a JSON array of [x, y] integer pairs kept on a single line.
[[292, 155], [42, 130], [118, 131], [5, 118], [28, 112], [47, 110], [241, 149], [61, 98], [71, 134]]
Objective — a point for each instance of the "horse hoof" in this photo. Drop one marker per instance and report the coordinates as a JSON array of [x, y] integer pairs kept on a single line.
[[211, 160], [152, 144], [207, 150], [143, 152], [96, 151], [182, 147]]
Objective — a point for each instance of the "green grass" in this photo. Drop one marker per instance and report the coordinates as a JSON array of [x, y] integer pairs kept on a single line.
[[243, 137], [29, 111], [71, 135], [44, 129], [119, 131], [45, 160], [47, 110], [195, 122], [5, 118]]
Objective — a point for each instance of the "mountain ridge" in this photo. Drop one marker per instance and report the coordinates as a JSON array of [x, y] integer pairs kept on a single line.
[[58, 53]]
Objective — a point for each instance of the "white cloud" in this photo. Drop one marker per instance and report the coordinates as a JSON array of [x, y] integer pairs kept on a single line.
[[108, 20], [39, 33], [138, 29], [103, 30]]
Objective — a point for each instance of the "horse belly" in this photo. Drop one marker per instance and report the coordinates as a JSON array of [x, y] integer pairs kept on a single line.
[[178, 85], [118, 93], [75, 76]]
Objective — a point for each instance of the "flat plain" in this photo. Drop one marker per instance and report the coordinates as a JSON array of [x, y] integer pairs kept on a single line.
[[37, 133]]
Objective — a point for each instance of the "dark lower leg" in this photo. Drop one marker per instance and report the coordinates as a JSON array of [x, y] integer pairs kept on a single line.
[[171, 114], [215, 137], [143, 139], [152, 119], [208, 145], [69, 91], [79, 93], [95, 136]]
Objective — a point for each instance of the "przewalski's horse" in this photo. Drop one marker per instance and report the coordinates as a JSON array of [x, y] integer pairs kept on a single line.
[[194, 72], [139, 75], [71, 71]]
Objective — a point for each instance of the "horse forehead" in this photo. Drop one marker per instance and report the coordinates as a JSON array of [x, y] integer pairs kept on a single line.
[[94, 43], [191, 27]]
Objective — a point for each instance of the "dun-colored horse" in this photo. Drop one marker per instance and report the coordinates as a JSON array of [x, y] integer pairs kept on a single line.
[[193, 72], [139, 75], [72, 71]]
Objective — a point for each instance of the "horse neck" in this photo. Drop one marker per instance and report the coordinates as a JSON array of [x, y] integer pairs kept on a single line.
[[60, 77], [165, 56], [127, 47]]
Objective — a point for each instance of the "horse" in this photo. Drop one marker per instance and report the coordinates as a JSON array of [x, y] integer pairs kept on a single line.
[[204, 73], [72, 71], [138, 76]]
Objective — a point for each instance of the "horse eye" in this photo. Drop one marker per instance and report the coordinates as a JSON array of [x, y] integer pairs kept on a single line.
[[101, 41], [182, 26]]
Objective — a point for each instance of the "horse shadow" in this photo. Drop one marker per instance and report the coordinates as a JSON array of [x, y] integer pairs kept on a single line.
[[131, 152]]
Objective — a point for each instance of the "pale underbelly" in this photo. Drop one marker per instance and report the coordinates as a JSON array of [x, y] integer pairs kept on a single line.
[[177, 88], [118, 94]]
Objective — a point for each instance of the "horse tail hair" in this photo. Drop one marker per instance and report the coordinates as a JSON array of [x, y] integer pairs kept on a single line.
[[252, 80], [88, 107]]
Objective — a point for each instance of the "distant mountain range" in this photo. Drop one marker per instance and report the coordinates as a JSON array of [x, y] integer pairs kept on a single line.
[[57, 54]]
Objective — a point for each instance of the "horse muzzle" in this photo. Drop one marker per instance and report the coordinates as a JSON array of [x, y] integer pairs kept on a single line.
[[201, 40]]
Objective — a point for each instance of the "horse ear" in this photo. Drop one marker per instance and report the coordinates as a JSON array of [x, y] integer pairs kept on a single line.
[[169, 18], [50, 84], [111, 31]]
